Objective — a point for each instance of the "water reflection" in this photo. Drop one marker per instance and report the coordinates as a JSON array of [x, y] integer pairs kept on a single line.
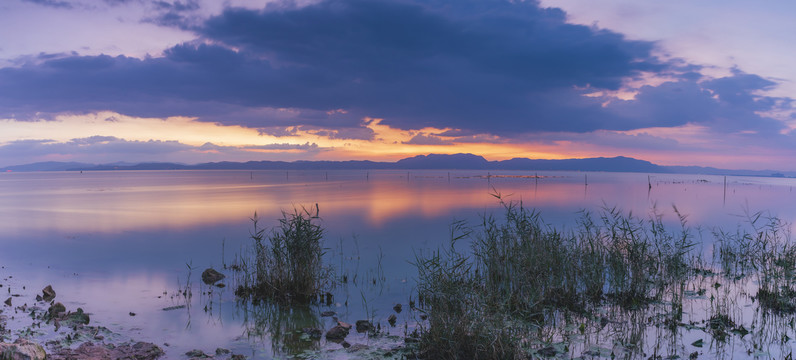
[[128, 235]]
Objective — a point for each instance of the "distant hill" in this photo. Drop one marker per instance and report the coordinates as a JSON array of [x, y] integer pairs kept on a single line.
[[431, 161], [48, 166]]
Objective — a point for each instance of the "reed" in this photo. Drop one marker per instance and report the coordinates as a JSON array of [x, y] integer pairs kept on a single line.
[[287, 263], [522, 276]]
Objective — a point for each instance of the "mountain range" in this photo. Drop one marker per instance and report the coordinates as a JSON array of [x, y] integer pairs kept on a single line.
[[431, 161]]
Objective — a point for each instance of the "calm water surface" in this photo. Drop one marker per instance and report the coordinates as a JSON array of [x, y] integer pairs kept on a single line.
[[121, 242]]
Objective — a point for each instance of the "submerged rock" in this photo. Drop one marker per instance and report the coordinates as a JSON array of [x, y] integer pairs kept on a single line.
[[314, 333], [56, 310], [22, 349], [364, 325], [398, 307], [392, 319], [210, 276], [77, 317], [7, 302], [358, 347], [197, 354]]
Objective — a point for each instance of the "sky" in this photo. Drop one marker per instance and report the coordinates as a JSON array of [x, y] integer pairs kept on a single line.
[[681, 82]]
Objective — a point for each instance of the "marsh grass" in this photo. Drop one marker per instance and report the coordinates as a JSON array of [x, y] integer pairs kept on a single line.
[[764, 251], [286, 265], [522, 276]]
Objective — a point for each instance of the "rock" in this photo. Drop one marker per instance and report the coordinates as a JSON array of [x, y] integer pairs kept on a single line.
[[328, 313], [337, 333], [222, 351], [77, 317], [364, 325], [22, 349], [345, 344], [56, 310], [88, 350], [211, 276], [196, 353], [238, 357], [49, 293], [392, 319], [7, 302], [343, 324], [398, 308]]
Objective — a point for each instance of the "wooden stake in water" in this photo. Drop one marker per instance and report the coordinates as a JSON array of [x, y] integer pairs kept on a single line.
[[367, 176], [327, 176], [725, 190], [586, 179], [449, 176], [649, 182]]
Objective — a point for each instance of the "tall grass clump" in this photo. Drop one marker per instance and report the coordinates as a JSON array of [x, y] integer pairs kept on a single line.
[[463, 323], [522, 275], [287, 263], [766, 252]]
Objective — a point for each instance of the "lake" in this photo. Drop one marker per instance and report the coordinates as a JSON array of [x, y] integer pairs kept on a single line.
[[124, 242]]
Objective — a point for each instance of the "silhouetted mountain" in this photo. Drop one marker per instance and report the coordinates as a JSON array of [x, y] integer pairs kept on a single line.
[[616, 164], [442, 161], [49, 166], [431, 161]]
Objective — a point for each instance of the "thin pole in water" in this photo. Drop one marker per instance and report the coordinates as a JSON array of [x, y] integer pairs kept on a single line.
[[586, 179], [725, 190], [286, 175], [367, 175], [251, 175], [327, 176]]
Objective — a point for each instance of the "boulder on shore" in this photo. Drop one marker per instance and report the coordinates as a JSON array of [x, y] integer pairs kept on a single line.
[[22, 349]]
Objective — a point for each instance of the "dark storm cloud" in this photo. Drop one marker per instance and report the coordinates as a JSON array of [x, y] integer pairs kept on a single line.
[[726, 104], [485, 66]]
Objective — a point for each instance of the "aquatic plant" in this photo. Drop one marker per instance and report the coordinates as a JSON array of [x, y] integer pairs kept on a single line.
[[522, 276], [287, 264]]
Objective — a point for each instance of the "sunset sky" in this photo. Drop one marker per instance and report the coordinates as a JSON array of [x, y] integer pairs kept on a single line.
[[680, 82]]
